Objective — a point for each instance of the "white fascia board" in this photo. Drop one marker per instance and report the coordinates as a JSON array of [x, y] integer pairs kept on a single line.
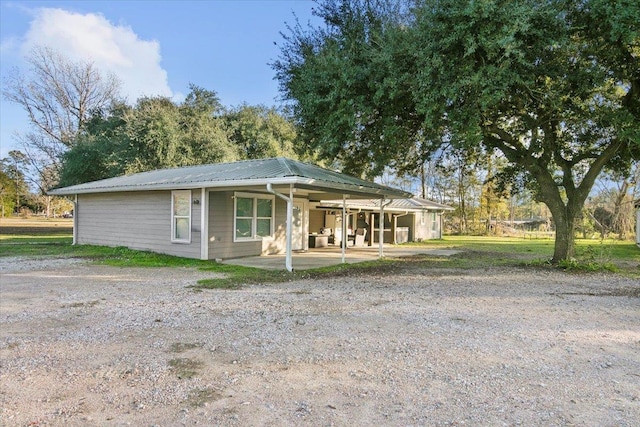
[[171, 186]]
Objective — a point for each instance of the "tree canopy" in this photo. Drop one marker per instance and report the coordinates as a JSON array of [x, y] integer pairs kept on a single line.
[[553, 86], [261, 132], [159, 133]]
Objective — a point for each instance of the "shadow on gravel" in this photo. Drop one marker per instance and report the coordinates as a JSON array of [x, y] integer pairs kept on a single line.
[[623, 292]]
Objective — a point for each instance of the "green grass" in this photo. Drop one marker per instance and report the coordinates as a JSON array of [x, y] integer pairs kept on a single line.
[[237, 276], [541, 247], [591, 255], [118, 256], [478, 252]]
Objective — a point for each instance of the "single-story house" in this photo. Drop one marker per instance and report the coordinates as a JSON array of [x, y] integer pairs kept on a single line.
[[216, 211], [405, 219]]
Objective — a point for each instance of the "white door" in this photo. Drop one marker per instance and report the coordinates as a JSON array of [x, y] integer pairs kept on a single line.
[[297, 231]]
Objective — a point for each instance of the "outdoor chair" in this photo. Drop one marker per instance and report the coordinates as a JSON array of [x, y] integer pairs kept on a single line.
[[360, 237]]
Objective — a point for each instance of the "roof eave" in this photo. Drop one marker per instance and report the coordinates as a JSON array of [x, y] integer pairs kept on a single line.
[[313, 183]]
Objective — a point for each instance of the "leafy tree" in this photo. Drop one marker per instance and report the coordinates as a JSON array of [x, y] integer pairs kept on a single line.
[[15, 167], [261, 132], [205, 138], [100, 150], [7, 193], [156, 133], [552, 85], [352, 99], [59, 96], [458, 174], [161, 134]]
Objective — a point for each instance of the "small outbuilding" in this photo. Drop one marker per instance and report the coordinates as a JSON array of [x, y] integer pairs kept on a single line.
[[216, 211]]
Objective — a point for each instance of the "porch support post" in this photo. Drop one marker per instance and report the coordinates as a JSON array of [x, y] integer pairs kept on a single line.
[[75, 220], [289, 260], [204, 224], [344, 228], [381, 230], [289, 227], [381, 223], [394, 227]]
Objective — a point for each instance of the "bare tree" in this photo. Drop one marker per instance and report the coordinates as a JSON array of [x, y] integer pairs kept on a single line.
[[612, 206], [59, 96]]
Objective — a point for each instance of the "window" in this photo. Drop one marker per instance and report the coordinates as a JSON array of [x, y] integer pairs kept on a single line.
[[181, 216], [253, 217], [263, 217], [434, 221]]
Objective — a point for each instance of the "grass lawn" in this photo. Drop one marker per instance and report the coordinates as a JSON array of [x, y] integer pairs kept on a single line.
[[54, 238], [591, 254], [606, 249]]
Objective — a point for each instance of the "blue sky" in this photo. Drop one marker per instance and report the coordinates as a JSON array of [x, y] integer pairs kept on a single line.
[[155, 47]]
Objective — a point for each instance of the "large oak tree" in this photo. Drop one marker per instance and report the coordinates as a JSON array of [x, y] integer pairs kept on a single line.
[[552, 85]]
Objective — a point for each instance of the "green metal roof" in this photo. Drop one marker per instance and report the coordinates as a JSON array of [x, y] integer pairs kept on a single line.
[[402, 204], [277, 171]]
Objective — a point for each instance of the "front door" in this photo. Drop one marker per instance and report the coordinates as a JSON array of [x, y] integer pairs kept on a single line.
[[297, 231]]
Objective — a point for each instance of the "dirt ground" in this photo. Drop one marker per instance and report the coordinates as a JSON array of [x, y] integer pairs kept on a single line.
[[26, 226], [85, 345]]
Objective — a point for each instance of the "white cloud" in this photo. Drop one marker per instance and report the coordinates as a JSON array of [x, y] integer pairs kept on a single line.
[[112, 48]]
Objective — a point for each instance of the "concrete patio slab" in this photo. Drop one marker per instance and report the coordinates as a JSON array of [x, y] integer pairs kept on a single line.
[[323, 257]]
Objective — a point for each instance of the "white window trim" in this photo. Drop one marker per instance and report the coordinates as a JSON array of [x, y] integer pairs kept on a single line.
[[173, 217], [254, 237]]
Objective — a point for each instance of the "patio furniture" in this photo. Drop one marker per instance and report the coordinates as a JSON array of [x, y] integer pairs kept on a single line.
[[318, 240], [360, 237]]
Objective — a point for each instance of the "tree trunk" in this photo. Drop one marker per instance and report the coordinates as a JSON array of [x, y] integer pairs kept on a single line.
[[464, 226], [423, 179], [565, 217], [463, 206], [620, 224], [565, 238], [48, 201]]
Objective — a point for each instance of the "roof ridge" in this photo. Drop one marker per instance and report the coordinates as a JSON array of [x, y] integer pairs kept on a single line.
[[281, 169], [196, 166], [290, 166]]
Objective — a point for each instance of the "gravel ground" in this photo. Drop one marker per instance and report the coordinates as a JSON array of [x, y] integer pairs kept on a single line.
[[82, 345]]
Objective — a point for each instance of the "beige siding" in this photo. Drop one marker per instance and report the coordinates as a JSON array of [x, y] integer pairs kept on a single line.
[[435, 229], [221, 226], [419, 231], [137, 220], [428, 230], [422, 231], [278, 243]]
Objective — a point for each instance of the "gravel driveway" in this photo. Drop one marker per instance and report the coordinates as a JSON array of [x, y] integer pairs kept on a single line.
[[82, 345]]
